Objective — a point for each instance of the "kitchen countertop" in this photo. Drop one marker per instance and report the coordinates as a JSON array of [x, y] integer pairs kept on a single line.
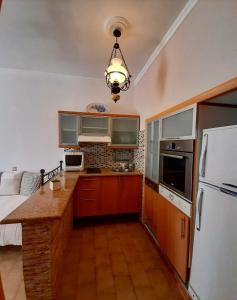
[[109, 172], [46, 204]]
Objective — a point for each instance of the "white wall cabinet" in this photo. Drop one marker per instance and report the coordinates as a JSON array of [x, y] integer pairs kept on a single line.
[[68, 129], [180, 125], [93, 125], [124, 131], [152, 150]]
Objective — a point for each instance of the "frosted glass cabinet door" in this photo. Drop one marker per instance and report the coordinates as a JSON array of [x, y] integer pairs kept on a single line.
[[155, 158], [91, 125], [125, 131], [180, 125], [68, 130], [149, 150]]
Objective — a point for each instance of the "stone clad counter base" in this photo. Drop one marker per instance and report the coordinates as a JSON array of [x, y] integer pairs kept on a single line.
[[43, 246]]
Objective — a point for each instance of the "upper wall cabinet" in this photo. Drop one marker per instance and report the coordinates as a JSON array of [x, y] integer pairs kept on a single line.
[[180, 125], [152, 151], [93, 125], [124, 131], [68, 130]]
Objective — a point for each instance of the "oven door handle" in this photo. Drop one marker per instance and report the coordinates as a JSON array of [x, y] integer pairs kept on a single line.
[[172, 155]]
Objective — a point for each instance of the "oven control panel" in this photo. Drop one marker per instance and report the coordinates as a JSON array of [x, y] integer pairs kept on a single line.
[[177, 201]]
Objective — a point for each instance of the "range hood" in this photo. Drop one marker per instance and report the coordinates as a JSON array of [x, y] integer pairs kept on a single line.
[[94, 139]]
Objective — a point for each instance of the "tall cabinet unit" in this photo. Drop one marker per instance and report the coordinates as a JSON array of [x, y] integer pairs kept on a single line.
[[152, 151]]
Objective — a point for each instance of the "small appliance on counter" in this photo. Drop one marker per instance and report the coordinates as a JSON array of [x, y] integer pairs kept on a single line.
[[74, 161]]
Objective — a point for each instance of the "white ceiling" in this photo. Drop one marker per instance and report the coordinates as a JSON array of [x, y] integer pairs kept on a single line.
[[67, 36]]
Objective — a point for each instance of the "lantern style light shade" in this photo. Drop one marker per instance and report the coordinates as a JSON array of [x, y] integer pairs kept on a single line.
[[117, 74], [116, 71]]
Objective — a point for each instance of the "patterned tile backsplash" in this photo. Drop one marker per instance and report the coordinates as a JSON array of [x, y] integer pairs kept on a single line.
[[139, 154], [102, 156]]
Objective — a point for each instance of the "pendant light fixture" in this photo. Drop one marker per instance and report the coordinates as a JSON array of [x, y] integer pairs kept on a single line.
[[117, 74]]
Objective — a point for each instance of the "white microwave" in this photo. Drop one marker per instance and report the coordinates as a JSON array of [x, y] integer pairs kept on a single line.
[[74, 161]]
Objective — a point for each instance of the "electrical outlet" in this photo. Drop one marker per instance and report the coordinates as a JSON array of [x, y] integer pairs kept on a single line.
[[14, 169]]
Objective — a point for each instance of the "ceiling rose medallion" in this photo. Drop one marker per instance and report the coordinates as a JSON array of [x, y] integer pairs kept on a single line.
[[117, 74]]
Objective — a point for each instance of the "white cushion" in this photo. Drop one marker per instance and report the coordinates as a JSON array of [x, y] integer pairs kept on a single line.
[[10, 183]]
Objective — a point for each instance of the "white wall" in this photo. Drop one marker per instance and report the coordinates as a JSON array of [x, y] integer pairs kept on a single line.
[[201, 55], [29, 102]]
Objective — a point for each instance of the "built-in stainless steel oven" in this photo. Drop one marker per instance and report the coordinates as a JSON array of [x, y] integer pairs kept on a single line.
[[176, 166]]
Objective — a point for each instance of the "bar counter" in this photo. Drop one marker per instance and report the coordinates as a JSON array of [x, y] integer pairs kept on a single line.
[[47, 218]]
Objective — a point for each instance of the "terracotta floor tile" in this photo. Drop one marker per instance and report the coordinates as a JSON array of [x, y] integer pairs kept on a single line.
[[145, 294], [86, 272], [104, 281], [124, 288], [100, 241], [162, 287], [102, 258], [138, 275], [119, 265], [114, 246], [86, 292]]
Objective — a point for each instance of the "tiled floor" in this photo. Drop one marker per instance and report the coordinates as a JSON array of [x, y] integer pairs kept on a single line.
[[102, 262], [115, 261]]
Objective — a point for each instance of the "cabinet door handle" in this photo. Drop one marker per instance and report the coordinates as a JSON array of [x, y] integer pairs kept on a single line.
[[89, 179], [87, 199], [182, 228]]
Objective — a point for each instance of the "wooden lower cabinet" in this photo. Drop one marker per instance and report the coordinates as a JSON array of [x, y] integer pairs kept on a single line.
[[162, 230], [149, 212], [130, 191], [170, 227], [178, 240], [107, 195], [87, 197]]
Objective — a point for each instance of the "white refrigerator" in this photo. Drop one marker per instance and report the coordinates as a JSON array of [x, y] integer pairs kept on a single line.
[[214, 262]]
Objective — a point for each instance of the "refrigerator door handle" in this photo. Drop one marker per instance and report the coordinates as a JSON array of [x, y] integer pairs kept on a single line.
[[229, 192], [199, 203], [202, 166], [230, 185]]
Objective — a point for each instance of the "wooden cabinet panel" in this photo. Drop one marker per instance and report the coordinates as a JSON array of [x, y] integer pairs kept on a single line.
[[178, 238], [109, 195], [170, 227], [150, 208], [130, 194], [162, 221]]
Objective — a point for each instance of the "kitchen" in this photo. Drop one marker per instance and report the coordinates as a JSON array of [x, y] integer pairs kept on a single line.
[[172, 189], [147, 211]]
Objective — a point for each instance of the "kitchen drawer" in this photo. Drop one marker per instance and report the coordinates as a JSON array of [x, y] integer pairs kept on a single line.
[[88, 194], [89, 183]]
